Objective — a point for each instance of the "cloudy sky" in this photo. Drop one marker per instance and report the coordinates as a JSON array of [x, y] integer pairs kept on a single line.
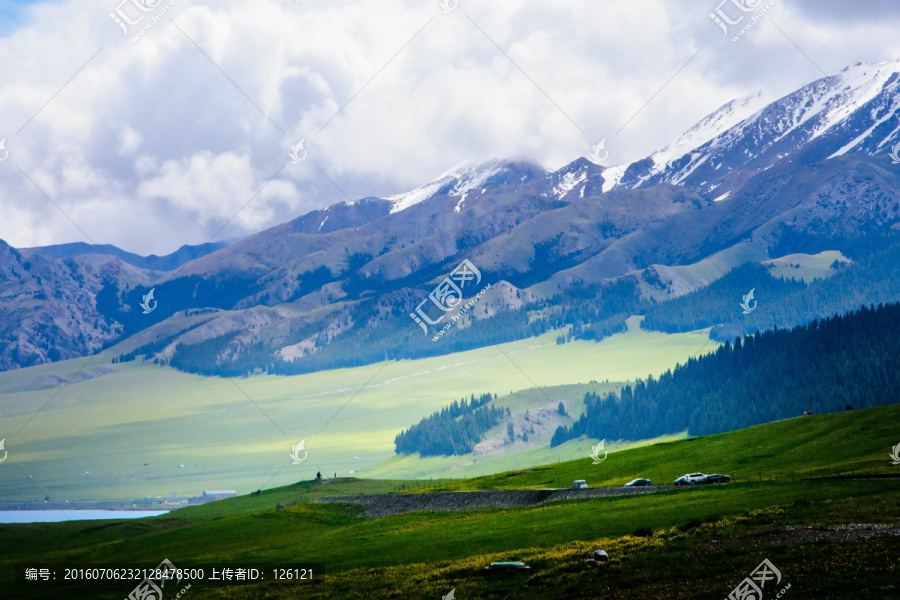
[[175, 125]]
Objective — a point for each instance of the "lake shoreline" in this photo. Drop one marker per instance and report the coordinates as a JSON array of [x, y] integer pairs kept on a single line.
[[56, 515], [117, 505]]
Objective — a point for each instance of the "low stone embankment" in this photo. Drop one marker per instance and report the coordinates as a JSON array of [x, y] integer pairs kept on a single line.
[[384, 505]]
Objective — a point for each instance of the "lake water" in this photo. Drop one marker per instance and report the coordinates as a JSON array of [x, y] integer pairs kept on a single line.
[[55, 516]]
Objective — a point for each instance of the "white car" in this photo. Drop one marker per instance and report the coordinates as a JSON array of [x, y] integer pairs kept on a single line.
[[580, 484], [690, 479]]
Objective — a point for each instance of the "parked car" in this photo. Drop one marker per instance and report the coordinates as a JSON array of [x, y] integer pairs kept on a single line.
[[639, 483], [716, 478], [580, 484], [690, 479]]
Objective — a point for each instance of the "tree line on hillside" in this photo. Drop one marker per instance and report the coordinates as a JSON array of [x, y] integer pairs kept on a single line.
[[851, 359], [150, 349], [455, 429], [779, 302], [591, 312], [394, 339], [719, 302]]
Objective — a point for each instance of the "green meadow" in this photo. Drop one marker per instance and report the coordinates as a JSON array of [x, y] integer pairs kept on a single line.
[[661, 545], [131, 430]]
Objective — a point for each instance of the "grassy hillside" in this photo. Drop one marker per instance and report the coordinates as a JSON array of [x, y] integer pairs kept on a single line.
[[91, 438], [383, 557], [818, 446], [807, 266], [821, 446]]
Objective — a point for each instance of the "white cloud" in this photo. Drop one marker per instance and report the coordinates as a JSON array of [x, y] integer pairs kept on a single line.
[[217, 187], [152, 146], [129, 141]]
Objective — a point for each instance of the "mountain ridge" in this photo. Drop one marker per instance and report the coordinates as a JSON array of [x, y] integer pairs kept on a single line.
[[167, 262], [339, 274]]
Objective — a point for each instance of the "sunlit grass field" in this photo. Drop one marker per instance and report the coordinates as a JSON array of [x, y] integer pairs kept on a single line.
[[132, 430]]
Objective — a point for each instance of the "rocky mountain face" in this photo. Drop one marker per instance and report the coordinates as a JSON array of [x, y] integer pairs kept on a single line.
[[808, 172], [48, 308]]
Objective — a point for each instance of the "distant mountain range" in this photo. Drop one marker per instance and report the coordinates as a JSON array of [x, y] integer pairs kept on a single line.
[[584, 246], [168, 262]]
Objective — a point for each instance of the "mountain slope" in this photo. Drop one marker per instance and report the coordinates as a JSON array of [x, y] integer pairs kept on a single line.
[[48, 310], [854, 111]]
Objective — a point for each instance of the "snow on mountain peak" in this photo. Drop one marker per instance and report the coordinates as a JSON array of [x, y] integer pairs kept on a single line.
[[725, 117], [825, 117], [714, 124], [833, 99], [463, 178]]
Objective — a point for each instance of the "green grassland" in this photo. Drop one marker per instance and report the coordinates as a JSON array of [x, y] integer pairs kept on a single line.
[[91, 438], [817, 446], [686, 278], [806, 267], [424, 555], [470, 465], [498, 454]]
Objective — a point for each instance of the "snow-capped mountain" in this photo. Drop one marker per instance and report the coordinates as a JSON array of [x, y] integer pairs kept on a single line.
[[578, 179], [714, 124], [853, 111], [806, 172], [448, 193], [468, 176]]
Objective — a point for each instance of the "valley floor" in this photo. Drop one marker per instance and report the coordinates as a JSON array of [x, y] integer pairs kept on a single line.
[[135, 430]]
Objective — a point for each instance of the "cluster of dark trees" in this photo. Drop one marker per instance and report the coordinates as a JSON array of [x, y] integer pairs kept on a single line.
[[595, 311], [455, 429], [851, 359]]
